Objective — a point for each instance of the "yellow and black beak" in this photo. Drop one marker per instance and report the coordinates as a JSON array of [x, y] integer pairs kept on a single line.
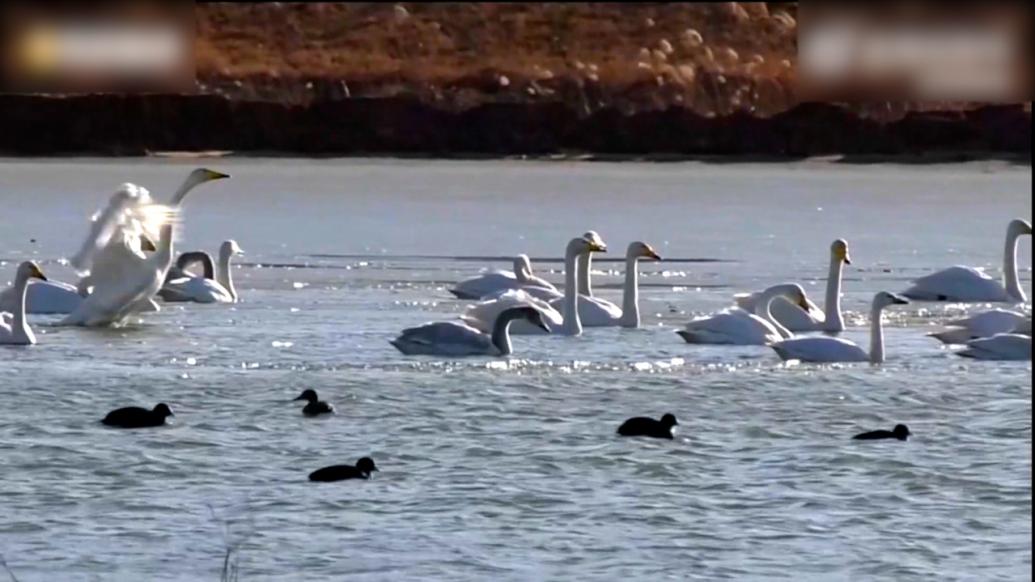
[[37, 273], [597, 248], [652, 254], [214, 175]]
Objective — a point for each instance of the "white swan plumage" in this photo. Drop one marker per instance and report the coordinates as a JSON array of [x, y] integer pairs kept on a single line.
[[968, 284], [825, 349], [599, 312], [1001, 346], [736, 326], [201, 289], [797, 318], [496, 281], [483, 315], [979, 325], [14, 327], [456, 338]]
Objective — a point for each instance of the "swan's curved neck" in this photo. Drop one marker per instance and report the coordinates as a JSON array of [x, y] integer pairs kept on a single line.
[[181, 193], [876, 335], [832, 320], [631, 294], [19, 326], [224, 277], [572, 324], [501, 332], [764, 310], [585, 264], [1012, 284]]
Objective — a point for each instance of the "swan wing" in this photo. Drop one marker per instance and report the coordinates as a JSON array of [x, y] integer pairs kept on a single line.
[[482, 315], [790, 315], [485, 284], [731, 326], [957, 283], [443, 338], [820, 349], [1004, 346]]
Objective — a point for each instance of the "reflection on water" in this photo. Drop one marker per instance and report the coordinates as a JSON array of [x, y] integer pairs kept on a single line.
[[509, 469]]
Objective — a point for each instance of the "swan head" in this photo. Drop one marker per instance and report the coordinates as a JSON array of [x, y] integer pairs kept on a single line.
[[230, 248], [30, 270], [839, 250], [901, 432], [366, 465], [202, 175], [163, 410], [1019, 226], [642, 250], [309, 395], [669, 420], [593, 237], [884, 299], [581, 245]]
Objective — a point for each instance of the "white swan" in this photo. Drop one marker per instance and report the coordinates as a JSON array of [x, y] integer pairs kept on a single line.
[[794, 317], [598, 312], [482, 315], [496, 281], [204, 289], [826, 349], [973, 285], [586, 264], [14, 328], [736, 326], [123, 279], [1002, 346], [455, 338], [979, 325]]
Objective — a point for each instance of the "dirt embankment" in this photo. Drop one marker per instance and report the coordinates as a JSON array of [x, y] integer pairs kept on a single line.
[[501, 79]]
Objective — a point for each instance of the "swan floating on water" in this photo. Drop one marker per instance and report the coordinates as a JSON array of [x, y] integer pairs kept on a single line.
[[984, 324], [824, 349], [482, 315], [14, 328], [796, 318], [201, 289], [456, 338], [967, 284], [736, 326], [598, 312], [1002, 346], [497, 281], [123, 279]]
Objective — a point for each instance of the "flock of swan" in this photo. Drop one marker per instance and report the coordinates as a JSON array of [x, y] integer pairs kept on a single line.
[[778, 316], [126, 262]]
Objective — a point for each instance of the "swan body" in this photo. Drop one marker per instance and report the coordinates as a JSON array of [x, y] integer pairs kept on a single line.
[[824, 349], [201, 289], [984, 324], [1002, 346], [123, 279], [14, 329], [598, 312], [810, 317], [43, 297], [967, 284], [456, 338], [736, 326], [497, 281], [482, 315]]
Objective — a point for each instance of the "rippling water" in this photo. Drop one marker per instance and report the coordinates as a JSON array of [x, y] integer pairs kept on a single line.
[[497, 469]]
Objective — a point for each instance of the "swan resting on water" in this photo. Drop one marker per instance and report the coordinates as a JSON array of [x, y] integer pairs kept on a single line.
[[14, 328], [456, 338], [202, 289], [598, 312], [1001, 346], [497, 281], [798, 318], [824, 349], [736, 326], [984, 324], [967, 284]]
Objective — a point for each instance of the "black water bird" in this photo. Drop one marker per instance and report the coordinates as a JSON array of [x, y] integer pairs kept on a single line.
[[136, 417], [643, 426], [364, 467], [316, 406], [900, 432]]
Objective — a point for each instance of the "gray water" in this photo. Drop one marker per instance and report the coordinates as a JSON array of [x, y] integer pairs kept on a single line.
[[509, 469]]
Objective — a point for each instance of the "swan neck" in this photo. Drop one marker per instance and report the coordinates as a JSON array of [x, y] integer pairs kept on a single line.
[[18, 324], [224, 276], [184, 188], [876, 335], [585, 264], [764, 310], [1012, 283], [631, 294], [501, 333], [572, 323], [833, 320]]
